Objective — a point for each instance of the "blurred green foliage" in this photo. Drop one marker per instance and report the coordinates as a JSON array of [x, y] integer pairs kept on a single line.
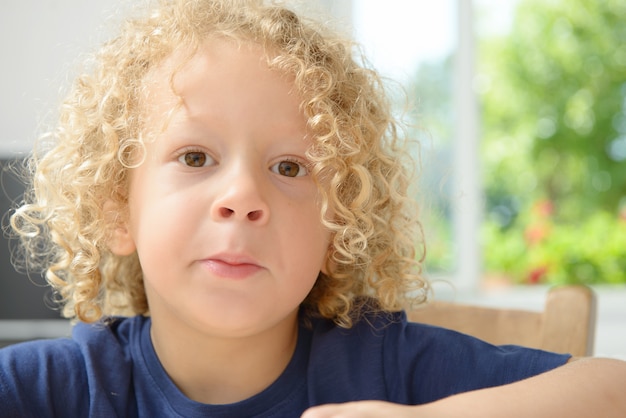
[[553, 93], [432, 86], [591, 252]]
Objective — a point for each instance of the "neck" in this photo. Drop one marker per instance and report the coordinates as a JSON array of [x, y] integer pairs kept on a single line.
[[217, 370]]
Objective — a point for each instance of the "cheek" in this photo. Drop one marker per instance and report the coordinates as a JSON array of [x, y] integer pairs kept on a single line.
[[162, 221], [313, 241], [156, 224]]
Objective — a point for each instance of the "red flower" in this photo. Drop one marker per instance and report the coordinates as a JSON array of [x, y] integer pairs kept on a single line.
[[535, 275]]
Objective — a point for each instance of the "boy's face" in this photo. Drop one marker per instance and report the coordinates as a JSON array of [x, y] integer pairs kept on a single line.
[[223, 213]]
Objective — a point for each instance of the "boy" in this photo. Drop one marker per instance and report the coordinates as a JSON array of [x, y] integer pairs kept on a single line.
[[231, 181]]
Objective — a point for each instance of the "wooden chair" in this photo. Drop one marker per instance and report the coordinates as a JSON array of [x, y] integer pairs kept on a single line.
[[566, 325]]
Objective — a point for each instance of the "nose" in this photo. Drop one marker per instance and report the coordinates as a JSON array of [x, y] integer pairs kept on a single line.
[[241, 198]]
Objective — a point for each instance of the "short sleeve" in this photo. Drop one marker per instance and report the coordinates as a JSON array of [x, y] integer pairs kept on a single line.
[[425, 363], [88, 375], [42, 378]]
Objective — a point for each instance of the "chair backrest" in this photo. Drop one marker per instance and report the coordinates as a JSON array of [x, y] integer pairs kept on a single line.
[[566, 325]]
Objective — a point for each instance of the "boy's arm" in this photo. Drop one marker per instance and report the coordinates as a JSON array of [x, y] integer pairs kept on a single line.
[[585, 388]]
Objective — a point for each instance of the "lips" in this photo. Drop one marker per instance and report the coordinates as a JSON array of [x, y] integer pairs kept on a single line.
[[232, 266]]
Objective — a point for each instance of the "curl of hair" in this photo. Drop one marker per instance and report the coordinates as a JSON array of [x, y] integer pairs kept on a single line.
[[359, 161]]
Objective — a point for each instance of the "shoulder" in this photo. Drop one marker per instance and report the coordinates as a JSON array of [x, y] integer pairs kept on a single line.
[[67, 375], [417, 363], [39, 355], [35, 377], [437, 362]]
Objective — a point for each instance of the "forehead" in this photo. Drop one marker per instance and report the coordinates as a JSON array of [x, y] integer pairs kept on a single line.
[[219, 81], [186, 70]]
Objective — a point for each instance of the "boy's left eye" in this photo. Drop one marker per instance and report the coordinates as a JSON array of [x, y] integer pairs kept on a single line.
[[289, 168]]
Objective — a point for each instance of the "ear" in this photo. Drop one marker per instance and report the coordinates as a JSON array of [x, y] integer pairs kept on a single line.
[[119, 238]]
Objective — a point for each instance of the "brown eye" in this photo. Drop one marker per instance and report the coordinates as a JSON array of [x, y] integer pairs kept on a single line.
[[195, 159], [289, 169]]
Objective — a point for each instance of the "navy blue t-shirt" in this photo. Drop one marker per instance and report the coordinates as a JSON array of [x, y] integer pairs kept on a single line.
[[112, 370]]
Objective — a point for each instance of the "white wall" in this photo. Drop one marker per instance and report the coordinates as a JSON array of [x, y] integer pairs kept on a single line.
[[39, 42]]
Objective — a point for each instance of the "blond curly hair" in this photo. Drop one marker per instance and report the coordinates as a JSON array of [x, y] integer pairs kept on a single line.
[[358, 154]]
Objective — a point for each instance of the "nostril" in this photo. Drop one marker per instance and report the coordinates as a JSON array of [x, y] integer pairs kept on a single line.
[[255, 215], [226, 212]]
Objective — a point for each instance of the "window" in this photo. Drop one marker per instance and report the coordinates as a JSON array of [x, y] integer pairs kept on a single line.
[[428, 47]]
